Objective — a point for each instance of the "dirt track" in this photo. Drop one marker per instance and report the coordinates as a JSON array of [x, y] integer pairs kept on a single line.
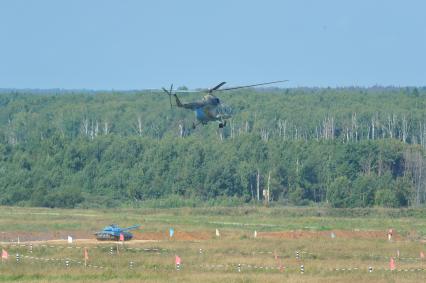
[[77, 242], [142, 237], [79, 236], [327, 234]]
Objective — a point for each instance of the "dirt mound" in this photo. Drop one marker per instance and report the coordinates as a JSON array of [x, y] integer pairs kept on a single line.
[[345, 234], [193, 236], [178, 235], [12, 237], [196, 235]]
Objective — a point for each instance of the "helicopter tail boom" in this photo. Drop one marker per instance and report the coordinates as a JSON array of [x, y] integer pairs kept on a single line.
[[178, 103], [170, 93]]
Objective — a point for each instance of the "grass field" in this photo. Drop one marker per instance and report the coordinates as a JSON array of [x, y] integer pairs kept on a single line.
[[235, 256]]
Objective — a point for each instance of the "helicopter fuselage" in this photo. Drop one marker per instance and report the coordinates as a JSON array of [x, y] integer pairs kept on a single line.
[[206, 114], [205, 110]]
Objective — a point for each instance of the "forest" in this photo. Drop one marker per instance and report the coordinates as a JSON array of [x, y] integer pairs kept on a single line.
[[339, 147]]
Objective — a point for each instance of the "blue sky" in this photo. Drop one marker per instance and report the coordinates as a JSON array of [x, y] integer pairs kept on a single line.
[[100, 44]]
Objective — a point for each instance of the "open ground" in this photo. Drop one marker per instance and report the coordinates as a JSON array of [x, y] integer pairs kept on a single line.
[[332, 245]]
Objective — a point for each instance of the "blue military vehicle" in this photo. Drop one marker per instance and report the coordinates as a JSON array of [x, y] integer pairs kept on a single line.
[[112, 233]]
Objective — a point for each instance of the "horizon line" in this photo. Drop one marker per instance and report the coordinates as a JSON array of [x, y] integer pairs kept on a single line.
[[83, 89]]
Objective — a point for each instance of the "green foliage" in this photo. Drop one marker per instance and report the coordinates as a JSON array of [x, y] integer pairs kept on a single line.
[[346, 147], [338, 193], [386, 198]]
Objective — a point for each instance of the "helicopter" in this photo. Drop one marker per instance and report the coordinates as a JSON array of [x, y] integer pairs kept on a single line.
[[210, 108]]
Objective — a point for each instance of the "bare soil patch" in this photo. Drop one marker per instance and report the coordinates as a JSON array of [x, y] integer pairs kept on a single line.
[[327, 234], [192, 236]]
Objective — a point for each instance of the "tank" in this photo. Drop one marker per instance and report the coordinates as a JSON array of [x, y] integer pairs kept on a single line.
[[112, 233]]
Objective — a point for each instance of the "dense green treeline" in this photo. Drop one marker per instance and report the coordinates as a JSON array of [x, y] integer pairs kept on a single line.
[[346, 147]]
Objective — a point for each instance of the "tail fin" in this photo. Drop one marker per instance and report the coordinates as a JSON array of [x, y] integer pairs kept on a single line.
[[169, 92]]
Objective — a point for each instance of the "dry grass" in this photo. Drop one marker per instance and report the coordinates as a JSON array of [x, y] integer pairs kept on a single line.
[[219, 257]]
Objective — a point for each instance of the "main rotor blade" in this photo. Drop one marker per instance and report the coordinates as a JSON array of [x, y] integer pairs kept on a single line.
[[170, 94], [245, 86], [216, 87], [165, 90], [191, 91]]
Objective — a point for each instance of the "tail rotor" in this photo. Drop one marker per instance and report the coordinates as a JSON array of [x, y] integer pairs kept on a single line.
[[170, 93]]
